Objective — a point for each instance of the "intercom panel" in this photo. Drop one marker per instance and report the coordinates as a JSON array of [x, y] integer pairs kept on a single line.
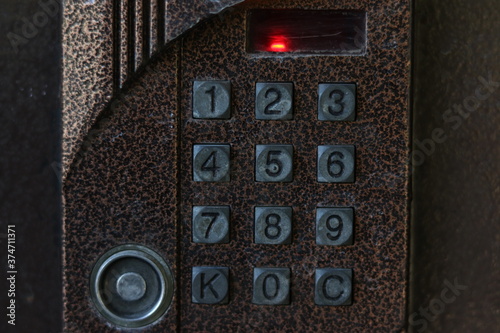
[[252, 176]]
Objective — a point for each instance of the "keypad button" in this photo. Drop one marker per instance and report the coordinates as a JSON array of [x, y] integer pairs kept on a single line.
[[210, 285], [211, 224], [333, 286], [274, 100], [212, 99], [271, 286], [273, 225], [334, 226], [336, 164], [337, 101], [211, 163], [274, 163]]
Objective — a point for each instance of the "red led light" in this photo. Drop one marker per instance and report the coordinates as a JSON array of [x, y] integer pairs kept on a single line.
[[278, 44], [278, 47]]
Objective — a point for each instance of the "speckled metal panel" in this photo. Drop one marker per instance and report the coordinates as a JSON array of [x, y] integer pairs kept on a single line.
[[124, 189], [378, 257], [105, 42], [131, 184], [87, 69]]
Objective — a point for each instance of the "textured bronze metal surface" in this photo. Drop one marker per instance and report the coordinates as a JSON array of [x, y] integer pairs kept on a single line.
[[105, 43], [124, 190], [134, 183]]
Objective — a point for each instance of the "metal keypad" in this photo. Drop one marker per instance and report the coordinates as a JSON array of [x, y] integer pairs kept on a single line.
[[273, 163]]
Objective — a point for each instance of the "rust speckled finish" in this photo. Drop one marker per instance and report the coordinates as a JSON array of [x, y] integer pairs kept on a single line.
[[135, 182], [124, 190], [105, 42]]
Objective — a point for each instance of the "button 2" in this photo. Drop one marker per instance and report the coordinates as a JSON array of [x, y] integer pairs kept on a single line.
[[274, 100], [211, 224]]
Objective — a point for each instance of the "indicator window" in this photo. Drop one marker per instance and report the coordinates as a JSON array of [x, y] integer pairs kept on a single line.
[[306, 31]]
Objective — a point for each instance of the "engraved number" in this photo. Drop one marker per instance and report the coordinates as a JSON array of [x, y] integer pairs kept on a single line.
[[276, 286], [211, 92], [273, 230], [335, 167], [275, 167], [210, 164], [274, 102], [213, 217], [334, 224], [338, 106]]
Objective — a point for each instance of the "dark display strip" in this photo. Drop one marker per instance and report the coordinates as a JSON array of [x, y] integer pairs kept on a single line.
[[306, 31]]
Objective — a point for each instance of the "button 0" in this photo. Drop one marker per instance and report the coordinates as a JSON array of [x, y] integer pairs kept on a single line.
[[337, 101], [271, 286], [212, 99]]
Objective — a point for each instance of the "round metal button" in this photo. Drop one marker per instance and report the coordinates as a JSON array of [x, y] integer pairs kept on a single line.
[[131, 286]]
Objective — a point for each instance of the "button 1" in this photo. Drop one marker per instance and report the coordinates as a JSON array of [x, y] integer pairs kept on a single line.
[[212, 99]]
